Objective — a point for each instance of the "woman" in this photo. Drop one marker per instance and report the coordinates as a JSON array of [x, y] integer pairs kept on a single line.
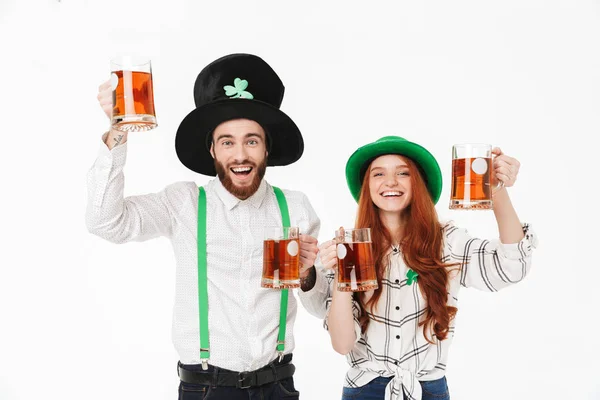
[[396, 338]]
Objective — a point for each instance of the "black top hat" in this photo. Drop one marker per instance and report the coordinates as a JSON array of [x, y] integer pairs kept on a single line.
[[237, 86]]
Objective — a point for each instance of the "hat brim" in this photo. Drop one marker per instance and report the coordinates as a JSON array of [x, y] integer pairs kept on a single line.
[[359, 161], [285, 140]]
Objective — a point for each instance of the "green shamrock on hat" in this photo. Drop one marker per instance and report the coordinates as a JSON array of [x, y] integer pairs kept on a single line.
[[238, 89]]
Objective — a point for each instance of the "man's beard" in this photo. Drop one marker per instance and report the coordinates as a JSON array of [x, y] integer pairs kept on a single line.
[[241, 192]]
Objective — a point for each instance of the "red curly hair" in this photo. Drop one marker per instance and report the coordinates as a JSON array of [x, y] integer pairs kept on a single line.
[[421, 248]]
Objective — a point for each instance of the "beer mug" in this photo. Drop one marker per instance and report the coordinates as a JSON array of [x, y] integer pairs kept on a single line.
[[472, 177], [356, 268], [281, 258], [133, 94]]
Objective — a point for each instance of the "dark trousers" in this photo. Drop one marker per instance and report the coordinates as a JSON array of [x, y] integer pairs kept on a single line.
[[282, 389]]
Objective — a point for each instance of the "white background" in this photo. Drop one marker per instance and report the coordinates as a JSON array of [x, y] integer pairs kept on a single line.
[[83, 318]]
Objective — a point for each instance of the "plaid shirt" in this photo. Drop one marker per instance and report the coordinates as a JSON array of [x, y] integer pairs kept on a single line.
[[394, 344]]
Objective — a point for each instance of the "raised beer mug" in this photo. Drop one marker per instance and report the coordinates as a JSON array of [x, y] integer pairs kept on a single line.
[[356, 268], [281, 258], [133, 94], [472, 177]]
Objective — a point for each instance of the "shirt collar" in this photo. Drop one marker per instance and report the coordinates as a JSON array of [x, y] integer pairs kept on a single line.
[[231, 201]]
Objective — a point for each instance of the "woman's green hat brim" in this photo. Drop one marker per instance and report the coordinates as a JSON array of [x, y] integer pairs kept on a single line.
[[359, 161]]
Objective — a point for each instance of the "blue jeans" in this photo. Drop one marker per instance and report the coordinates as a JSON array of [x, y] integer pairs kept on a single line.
[[375, 390]]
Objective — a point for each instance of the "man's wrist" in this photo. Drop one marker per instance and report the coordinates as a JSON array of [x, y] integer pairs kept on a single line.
[[114, 138], [308, 281]]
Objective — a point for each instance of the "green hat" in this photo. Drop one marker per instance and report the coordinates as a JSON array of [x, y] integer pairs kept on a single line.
[[359, 161]]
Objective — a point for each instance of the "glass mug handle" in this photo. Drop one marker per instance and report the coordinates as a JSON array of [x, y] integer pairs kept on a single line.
[[499, 184], [337, 240]]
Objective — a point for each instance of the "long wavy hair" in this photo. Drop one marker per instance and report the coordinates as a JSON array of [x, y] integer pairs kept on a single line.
[[421, 248]]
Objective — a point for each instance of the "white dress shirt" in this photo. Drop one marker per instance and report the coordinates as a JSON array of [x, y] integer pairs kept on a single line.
[[243, 317], [394, 344]]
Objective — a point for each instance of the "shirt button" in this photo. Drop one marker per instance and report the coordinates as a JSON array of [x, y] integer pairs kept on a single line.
[[397, 281], [397, 307], [397, 336]]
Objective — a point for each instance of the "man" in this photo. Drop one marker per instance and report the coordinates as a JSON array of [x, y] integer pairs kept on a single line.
[[226, 328]]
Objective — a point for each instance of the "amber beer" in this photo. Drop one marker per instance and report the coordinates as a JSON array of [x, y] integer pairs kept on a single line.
[[281, 257], [133, 95], [471, 187], [356, 268]]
